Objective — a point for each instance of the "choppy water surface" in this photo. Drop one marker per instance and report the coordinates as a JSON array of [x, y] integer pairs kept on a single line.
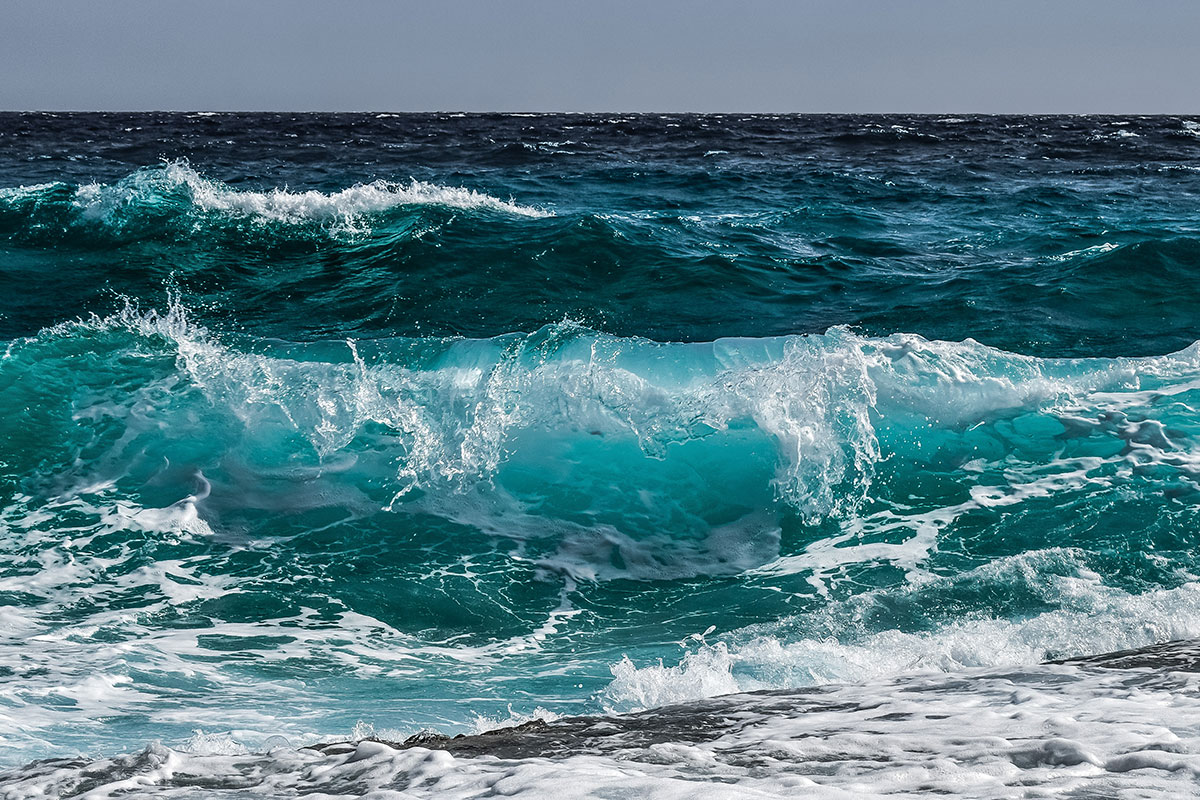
[[319, 425]]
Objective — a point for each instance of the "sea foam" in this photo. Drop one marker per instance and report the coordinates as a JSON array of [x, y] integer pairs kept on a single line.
[[979, 733]]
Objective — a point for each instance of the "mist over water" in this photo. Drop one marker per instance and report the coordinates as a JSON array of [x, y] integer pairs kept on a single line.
[[321, 425]]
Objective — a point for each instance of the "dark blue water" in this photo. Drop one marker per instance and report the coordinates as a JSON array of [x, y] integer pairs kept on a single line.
[[315, 420]]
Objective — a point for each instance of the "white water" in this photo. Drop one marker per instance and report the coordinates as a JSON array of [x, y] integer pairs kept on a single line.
[[1053, 731]]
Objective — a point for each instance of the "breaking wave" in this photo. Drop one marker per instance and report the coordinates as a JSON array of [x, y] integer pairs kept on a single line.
[[173, 194]]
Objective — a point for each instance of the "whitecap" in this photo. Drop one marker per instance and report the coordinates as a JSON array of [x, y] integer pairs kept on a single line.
[[346, 208]]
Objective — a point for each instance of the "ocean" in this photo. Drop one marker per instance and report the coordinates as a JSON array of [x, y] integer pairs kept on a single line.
[[651, 455]]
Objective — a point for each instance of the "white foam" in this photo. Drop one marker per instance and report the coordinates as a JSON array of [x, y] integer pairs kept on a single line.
[[484, 723], [33, 191], [213, 744], [1089, 618]]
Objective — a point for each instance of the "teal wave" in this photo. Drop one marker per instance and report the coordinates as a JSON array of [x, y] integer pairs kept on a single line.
[[195, 495], [509, 418]]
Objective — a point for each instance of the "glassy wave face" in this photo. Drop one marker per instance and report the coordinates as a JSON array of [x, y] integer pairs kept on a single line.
[[319, 425]]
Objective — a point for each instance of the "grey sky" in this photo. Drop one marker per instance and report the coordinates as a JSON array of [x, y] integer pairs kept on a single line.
[[523, 55]]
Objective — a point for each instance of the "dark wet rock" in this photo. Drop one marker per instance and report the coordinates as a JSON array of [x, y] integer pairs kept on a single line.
[[1178, 656], [688, 723]]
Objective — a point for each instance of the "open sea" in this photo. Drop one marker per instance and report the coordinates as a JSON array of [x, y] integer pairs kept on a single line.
[[701, 456]]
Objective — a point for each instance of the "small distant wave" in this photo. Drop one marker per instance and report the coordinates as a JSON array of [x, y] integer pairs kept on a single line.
[[1095, 250], [1116, 134], [282, 205], [174, 194], [874, 133]]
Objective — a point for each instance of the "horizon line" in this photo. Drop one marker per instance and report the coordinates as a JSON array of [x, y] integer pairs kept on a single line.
[[599, 112]]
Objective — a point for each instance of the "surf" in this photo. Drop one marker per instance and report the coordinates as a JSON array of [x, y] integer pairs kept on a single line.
[[412, 426]]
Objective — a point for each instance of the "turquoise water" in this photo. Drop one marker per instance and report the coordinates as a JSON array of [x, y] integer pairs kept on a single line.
[[319, 424]]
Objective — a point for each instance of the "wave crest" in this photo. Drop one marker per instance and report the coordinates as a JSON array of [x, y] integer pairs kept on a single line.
[[176, 191], [633, 458]]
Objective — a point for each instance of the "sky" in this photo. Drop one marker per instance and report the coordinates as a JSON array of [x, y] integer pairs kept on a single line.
[[919, 56]]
